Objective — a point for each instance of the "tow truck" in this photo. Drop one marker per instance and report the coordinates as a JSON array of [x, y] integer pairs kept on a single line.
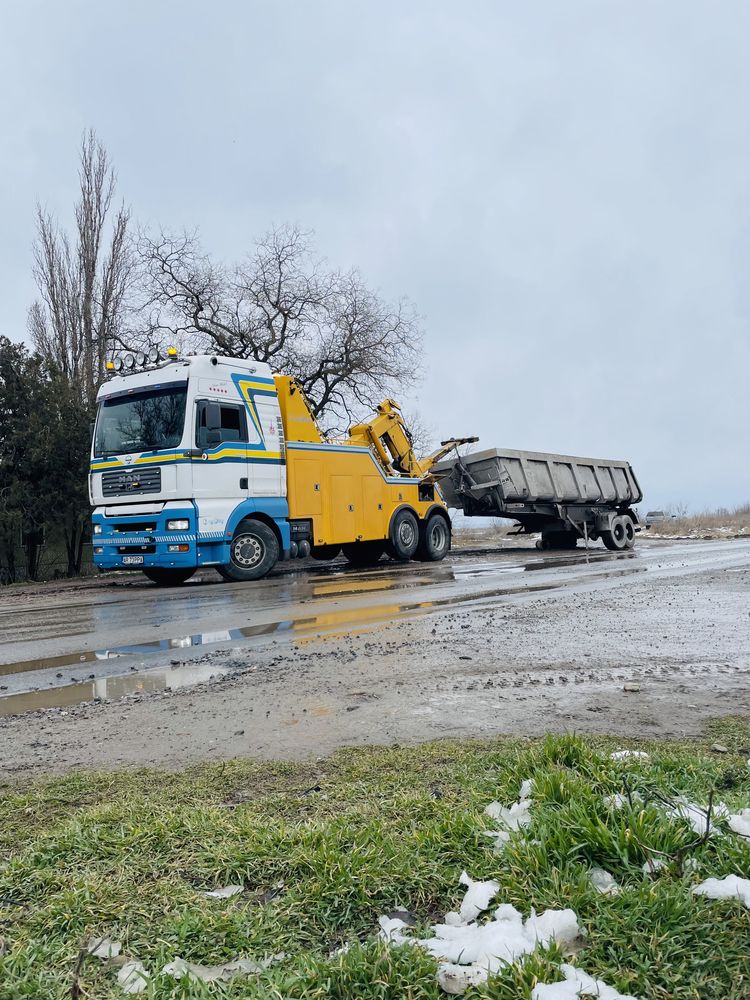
[[214, 461]]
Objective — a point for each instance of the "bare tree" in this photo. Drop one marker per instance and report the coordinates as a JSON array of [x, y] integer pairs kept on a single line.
[[84, 280], [345, 344]]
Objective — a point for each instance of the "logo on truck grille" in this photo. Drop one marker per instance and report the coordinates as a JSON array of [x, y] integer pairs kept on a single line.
[[146, 480]]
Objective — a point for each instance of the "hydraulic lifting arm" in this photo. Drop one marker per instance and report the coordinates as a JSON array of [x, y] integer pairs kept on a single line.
[[389, 437]]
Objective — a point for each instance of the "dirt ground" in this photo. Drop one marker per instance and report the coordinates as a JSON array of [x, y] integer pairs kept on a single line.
[[657, 653]]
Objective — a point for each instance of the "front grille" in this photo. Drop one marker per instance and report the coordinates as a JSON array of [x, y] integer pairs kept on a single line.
[[131, 481]]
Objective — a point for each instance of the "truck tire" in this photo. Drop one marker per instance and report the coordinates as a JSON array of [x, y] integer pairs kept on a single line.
[[434, 539], [363, 553], [325, 552], [253, 551], [164, 577], [404, 535], [615, 538], [629, 531]]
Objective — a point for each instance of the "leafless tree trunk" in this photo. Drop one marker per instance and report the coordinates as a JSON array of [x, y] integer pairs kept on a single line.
[[83, 281], [341, 340]]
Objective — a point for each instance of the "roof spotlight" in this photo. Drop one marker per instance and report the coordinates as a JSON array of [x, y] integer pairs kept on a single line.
[[141, 359], [129, 362], [153, 355], [118, 363]]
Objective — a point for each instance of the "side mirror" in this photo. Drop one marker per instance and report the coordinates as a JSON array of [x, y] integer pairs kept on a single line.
[[213, 436], [213, 417]]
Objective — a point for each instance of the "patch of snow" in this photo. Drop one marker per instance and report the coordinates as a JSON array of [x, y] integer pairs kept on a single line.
[[653, 865], [392, 930], [343, 950], [730, 887], [620, 801], [178, 968], [577, 984], [103, 948], [603, 882], [501, 838], [133, 977], [476, 900], [457, 979], [697, 816], [740, 822], [514, 818], [226, 892], [628, 754], [518, 815], [501, 940]]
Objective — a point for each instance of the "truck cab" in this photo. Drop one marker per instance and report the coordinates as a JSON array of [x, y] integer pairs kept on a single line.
[[181, 454]]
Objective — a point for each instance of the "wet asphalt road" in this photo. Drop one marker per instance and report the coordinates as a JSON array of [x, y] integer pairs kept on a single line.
[[62, 645]]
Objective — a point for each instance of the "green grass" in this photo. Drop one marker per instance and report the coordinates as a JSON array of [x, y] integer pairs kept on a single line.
[[126, 855]]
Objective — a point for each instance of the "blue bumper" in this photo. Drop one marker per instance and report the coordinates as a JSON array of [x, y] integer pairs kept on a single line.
[[132, 542]]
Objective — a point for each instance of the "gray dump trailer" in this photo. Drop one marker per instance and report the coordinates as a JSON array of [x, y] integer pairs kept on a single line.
[[563, 497]]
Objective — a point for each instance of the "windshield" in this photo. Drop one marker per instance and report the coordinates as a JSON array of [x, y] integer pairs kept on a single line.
[[141, 421]]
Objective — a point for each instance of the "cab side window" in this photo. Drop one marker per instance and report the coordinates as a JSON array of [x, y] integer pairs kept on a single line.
[[233, 425]]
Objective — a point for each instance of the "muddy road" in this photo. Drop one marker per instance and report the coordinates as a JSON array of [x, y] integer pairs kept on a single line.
[[117, 672]]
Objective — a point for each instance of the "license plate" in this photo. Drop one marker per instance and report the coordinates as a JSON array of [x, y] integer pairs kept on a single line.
[[132, 560]]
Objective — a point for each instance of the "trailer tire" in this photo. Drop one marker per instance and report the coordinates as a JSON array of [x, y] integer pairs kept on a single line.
[[364, 553], [615, 537], [629, 531], [165, 577], [324, 553], [254, 551], [434, 539], [404, 535]]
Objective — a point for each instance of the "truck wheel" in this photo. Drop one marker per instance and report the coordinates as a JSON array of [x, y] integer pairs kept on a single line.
[[404, 535], [629, 531], [434, 539], [167, 577], [325, 552], [615, 538], [253, 552], [364, 553]]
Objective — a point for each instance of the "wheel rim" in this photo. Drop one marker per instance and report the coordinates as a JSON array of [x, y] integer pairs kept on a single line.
[[437, 536], [406, 533], [629, 530], [247, 551], [618, 532]]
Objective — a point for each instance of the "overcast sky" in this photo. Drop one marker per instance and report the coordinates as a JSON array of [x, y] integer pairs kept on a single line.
[[562, 188]]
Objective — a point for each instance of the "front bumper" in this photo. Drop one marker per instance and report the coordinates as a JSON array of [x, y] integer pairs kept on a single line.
[[135, 541]]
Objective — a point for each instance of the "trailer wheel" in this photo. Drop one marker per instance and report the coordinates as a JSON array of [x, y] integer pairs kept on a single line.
[[253, 552], [434, 539], [164, 577], [363, 553], [404, 535], [629, 531], [615, 538]]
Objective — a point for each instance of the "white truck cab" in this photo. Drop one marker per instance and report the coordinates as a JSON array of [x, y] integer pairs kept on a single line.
[[181, 454]]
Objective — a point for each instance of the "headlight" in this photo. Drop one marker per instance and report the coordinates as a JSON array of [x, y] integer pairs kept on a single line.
[[97, 529], [181, 524]]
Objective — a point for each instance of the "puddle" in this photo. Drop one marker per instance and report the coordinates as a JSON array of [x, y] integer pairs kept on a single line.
[[302, 630], [110, 688]]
